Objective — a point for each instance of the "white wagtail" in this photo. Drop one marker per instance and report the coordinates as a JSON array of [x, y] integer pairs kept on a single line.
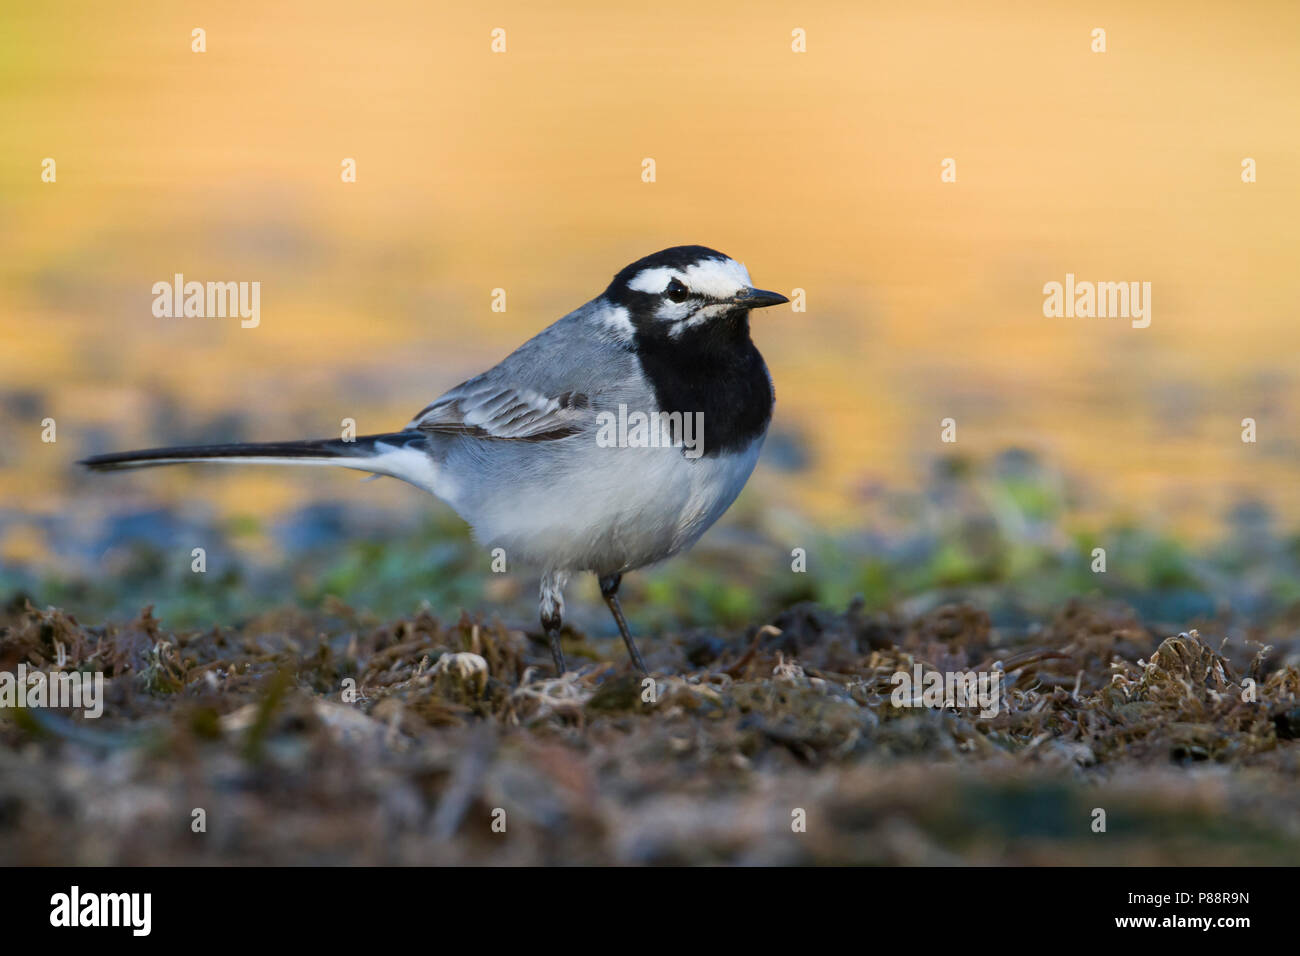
[[523, 451]]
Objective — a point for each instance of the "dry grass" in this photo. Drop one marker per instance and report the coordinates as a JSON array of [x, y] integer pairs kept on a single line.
[[453, 721]]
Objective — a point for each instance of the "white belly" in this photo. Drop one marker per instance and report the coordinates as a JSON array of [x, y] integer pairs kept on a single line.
[[625, 508]]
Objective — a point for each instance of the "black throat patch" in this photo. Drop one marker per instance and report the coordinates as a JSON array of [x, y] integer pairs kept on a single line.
[[714, 369]]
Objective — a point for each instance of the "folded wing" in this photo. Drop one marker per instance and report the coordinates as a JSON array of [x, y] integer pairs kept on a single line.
[[485, 407]]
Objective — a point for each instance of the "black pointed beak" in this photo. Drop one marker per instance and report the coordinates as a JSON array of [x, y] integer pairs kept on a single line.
[[758, 299]]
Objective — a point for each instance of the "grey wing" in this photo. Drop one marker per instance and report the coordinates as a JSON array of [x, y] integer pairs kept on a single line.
[[549, 388], [486, 407]]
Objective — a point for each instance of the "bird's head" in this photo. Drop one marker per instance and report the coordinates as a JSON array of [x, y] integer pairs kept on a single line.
[[683, 293]]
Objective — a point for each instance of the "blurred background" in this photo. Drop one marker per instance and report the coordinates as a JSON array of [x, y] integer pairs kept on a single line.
[[522, 170]]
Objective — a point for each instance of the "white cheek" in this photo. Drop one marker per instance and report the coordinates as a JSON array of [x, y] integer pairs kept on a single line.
[[698, 317], [669, 311]]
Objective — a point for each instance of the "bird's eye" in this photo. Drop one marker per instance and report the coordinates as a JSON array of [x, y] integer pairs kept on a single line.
[[677, 292]]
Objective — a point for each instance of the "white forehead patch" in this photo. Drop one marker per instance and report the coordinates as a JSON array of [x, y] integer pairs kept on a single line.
[[715, 278]]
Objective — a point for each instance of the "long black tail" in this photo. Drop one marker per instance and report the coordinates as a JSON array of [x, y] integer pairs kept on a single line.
[[399, 454]]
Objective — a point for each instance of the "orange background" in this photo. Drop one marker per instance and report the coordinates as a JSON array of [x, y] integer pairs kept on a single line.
[[522, 170]]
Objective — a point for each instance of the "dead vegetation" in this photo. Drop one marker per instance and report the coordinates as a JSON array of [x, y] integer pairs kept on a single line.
[[1187, 743]]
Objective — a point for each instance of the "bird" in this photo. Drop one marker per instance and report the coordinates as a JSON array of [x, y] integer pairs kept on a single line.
[[549, 454]]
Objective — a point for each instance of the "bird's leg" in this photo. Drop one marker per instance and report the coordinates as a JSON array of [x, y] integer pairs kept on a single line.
[[552, 613], [609, 591], [552, 624]]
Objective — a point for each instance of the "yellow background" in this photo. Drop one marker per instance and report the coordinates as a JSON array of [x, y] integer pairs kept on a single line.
[[522, 170]]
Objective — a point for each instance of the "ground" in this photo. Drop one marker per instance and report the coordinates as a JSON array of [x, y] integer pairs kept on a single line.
[[779, 742]]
